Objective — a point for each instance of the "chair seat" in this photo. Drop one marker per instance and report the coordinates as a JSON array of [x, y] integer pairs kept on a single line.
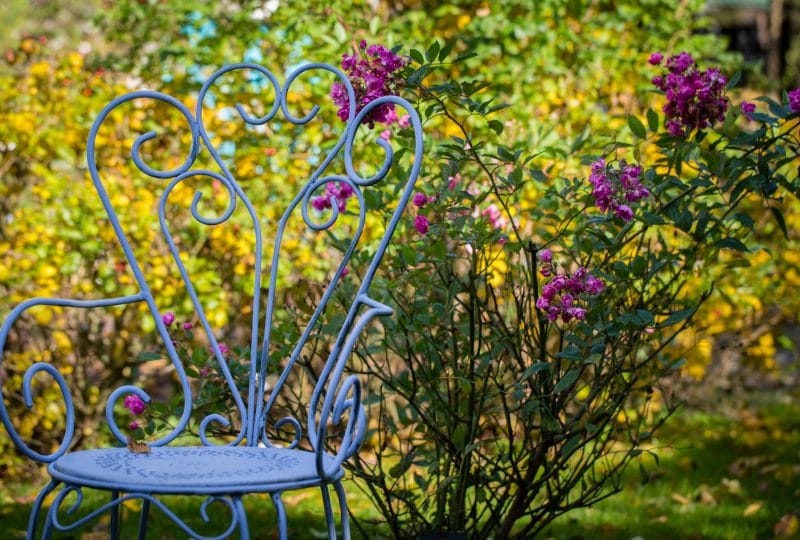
[[192, 469]]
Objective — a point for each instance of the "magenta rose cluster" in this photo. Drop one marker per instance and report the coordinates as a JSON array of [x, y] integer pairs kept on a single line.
[[566, 296], [616, 187], [136, 406], [695, 99], [340, 191], [421, 222], [373, 72], [794, 100]]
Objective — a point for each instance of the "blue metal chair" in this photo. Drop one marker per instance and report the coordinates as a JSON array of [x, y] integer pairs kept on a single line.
[[251, 463]]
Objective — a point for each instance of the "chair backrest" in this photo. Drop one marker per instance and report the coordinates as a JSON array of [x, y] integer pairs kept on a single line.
[[333, 394]]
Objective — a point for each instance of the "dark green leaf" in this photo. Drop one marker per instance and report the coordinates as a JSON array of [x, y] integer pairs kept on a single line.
[[570, 377], [433, 51], [637, 127], [732, 243], [652, 120], [781, 222], [734, 80]]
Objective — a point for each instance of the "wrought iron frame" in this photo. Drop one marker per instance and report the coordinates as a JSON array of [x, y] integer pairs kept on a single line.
[[335, 395]]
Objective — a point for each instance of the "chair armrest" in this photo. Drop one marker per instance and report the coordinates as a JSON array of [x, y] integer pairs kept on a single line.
[[344, 397], [40, 367]]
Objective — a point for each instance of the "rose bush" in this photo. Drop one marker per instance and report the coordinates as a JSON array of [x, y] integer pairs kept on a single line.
[[479, 381]]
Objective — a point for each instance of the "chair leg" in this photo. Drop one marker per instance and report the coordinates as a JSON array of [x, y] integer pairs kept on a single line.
[[113, 532], [241, 516], [329, 519], [143, 519], [343, 509], [276, 500], [37, 506], [47, 530]]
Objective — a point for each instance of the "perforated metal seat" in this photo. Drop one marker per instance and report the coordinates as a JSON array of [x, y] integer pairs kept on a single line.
[[191, 469]]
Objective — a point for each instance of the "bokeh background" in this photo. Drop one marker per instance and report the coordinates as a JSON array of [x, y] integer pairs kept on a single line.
[[569, 68]]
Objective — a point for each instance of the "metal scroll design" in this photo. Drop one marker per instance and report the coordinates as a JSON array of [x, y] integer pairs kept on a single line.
[[54, 521], [342, 396]]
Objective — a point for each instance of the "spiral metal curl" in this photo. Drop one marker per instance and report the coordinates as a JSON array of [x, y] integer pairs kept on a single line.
[[336, 391], [248, 423], [133, 263], [54, 521], [303, 199], [198, 306], [52, 372]]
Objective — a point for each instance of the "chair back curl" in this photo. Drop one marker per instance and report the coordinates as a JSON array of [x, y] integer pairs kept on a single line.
[[336, 398]]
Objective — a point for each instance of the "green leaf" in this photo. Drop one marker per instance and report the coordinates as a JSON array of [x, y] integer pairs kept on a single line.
[[781, 222], [374, 25], [637, 127], [416, 56], [339, 32], [535, 368], [570, 377], [677, 316], [732, 243], [652, 120], [734, 80], [433, 51], [571, 445], [446, 50], [496, 126], [147, 356]]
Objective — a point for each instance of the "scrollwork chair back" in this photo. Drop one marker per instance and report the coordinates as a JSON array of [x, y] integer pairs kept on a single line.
[[250, 462]]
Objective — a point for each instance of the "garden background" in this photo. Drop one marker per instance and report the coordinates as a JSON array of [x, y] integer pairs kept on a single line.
[[571, 72]]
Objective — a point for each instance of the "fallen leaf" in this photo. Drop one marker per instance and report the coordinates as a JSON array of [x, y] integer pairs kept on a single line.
[[787, 526], [678, 498], [705, 497], [734, 487], [752, 508]]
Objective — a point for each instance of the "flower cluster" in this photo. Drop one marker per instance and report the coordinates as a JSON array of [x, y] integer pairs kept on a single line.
[[372, 70], [566, 296], [340, 191], [794, 100], [748, 109], [695, 99], [421, 222], [615, 187], [136, 405]]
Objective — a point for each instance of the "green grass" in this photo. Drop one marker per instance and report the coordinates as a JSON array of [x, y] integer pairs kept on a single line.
[[721, 476], [725, 476], [305, 515]]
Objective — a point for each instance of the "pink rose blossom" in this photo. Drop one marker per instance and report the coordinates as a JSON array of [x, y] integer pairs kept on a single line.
[[566, 296], [419, 200], [168, 318], [134, 404], [187, 326], [453, 181], [421, 224], [748, 109], [133, 425], [546, 255], [695, 99], [794, 100], [404, 121]]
